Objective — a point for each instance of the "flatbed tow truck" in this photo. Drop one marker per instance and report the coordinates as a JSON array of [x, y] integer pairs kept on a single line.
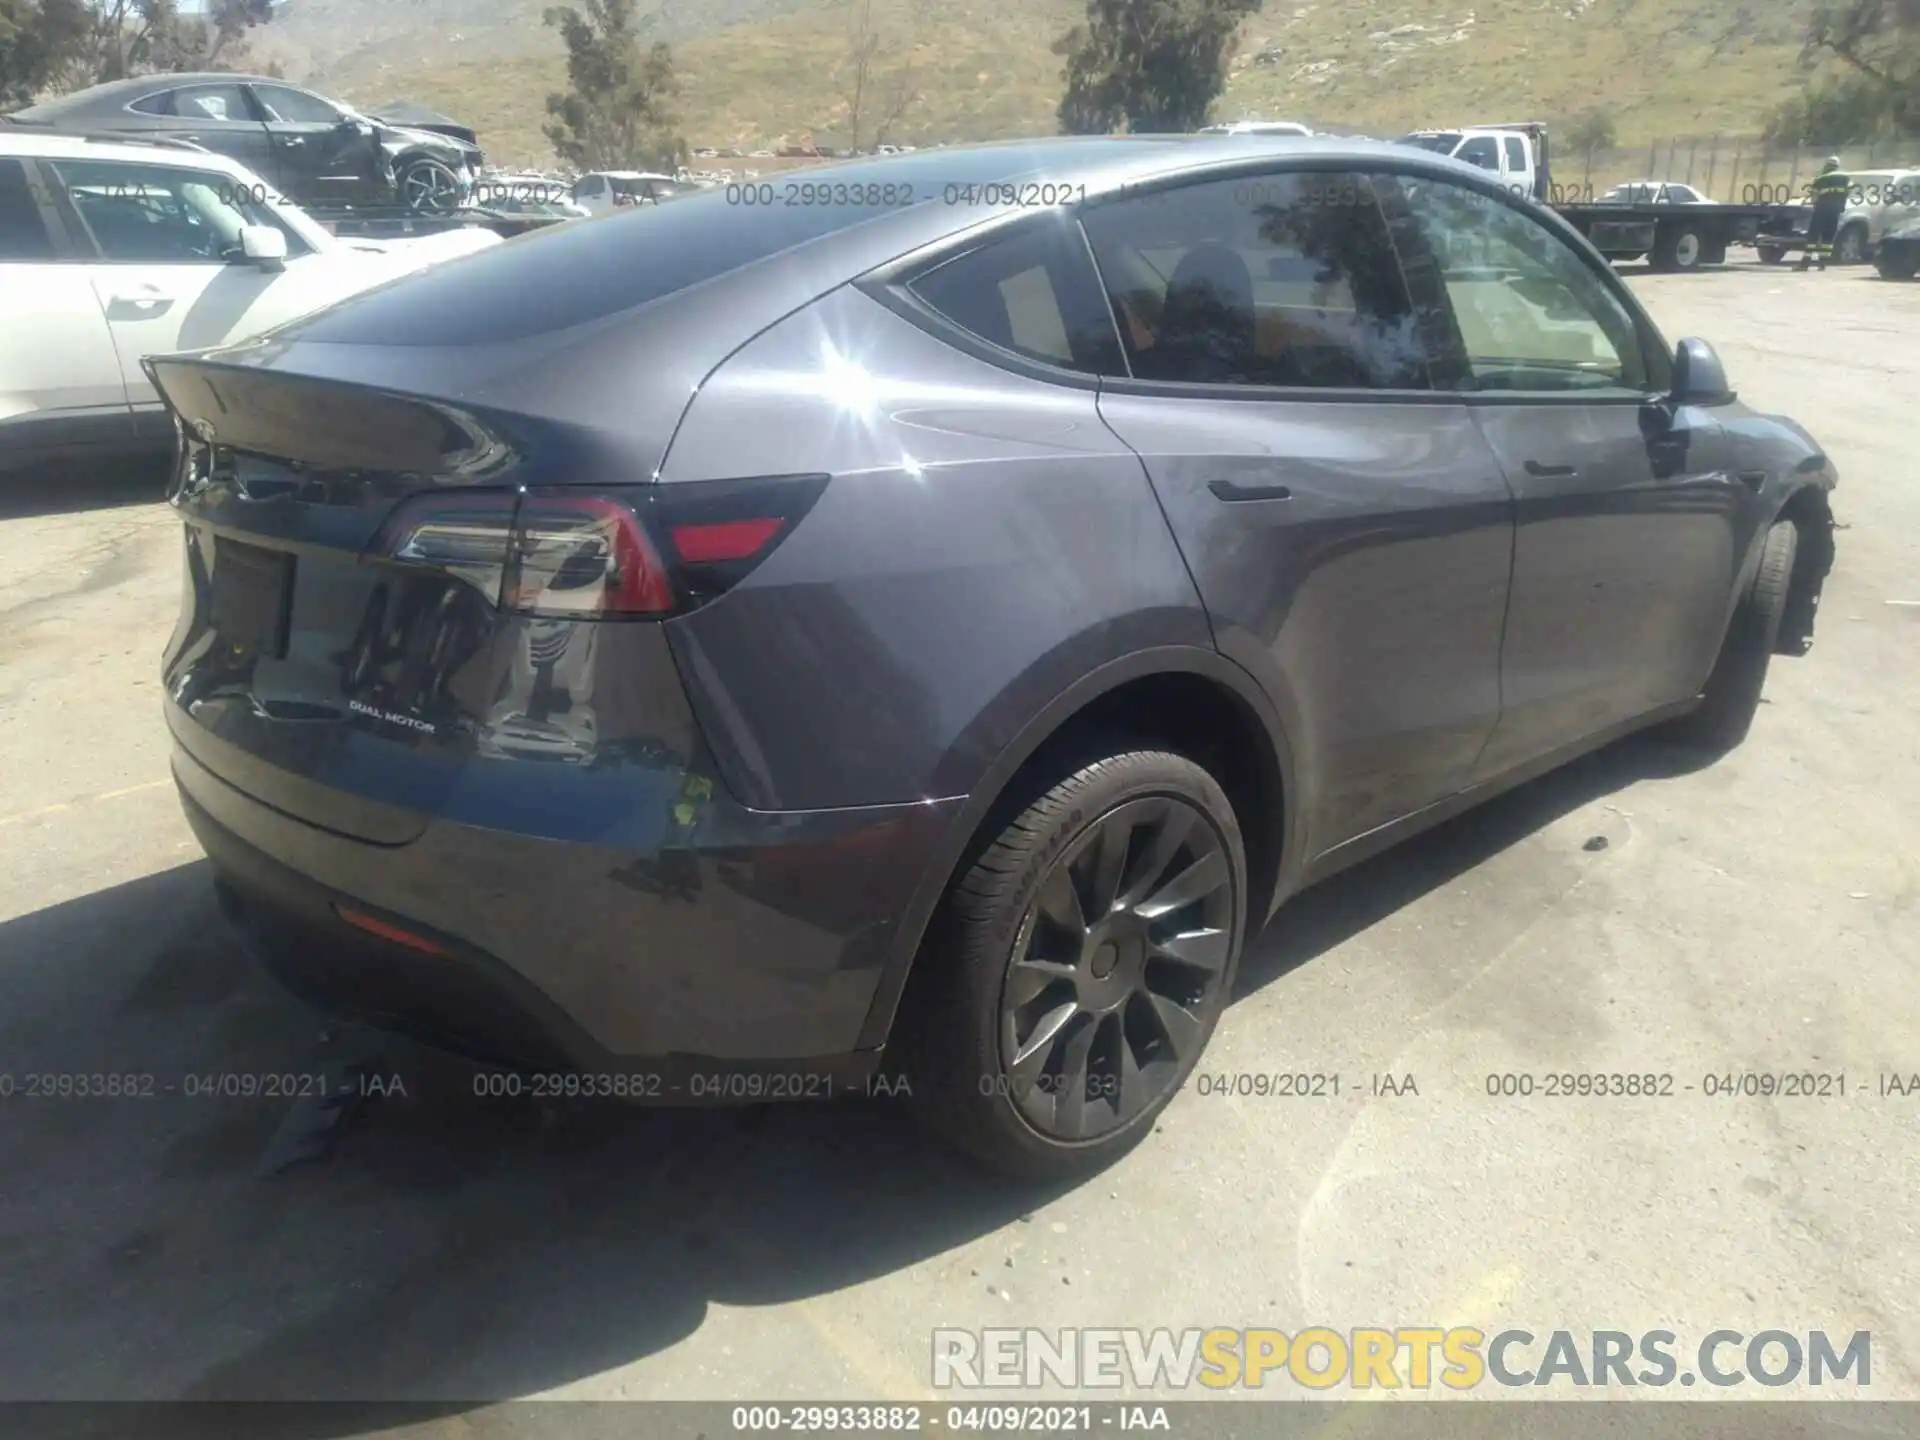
[[1672, 236]]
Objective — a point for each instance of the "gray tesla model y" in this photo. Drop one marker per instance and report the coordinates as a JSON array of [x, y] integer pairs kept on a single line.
[[917, 618]]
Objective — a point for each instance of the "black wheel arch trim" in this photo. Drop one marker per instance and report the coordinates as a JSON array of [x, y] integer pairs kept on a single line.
[[1811, 566], [1043, 727], [1813, 561]]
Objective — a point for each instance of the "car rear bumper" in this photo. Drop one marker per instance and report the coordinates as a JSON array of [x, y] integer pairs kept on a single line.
[[759, 953]]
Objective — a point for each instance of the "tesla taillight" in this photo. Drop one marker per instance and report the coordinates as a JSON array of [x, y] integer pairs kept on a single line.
[[468, 537], [636, 552], [584, 558]]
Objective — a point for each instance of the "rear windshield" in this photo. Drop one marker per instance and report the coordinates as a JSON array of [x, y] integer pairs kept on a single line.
[[570, 274], [1440, 144]]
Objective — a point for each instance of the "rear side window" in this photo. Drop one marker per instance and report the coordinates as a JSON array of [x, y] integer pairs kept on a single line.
[[1480, 151], [1283, 279], [161, 104], [1033, 293], [23, 230]]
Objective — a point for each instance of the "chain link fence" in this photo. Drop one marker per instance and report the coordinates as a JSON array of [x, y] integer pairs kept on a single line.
[[1742, 169]]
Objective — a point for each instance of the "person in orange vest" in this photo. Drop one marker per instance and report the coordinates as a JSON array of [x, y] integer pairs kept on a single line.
[[1829, 189]]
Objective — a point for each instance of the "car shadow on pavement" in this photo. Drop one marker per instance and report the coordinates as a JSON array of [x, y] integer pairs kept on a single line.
[[454, 1249], [1339, 908], [451, 1248], [67, 488]]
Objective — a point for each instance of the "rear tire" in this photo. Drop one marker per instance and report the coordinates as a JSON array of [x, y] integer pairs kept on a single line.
[[1850, 245], [1678, 247], [1770, 254], [1732, 693], [1096, 937]]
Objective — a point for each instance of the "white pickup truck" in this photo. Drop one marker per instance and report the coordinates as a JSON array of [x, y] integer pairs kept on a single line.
[[113, 251], [1514, 152]]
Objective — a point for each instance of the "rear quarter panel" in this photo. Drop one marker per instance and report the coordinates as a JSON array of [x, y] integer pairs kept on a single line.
[[985, 542]]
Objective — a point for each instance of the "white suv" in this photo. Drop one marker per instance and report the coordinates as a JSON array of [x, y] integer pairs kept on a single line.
[[1880, 200], [110, 252]]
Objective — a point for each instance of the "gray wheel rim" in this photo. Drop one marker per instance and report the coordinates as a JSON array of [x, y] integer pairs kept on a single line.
[[1119, 963], [1686, 251], [429, 185], [1848, 251]]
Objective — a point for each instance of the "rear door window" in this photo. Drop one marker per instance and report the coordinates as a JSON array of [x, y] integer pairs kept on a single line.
[[1278, 279]]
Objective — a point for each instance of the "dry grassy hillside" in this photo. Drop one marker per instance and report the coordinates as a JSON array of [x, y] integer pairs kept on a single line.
[[758, 70]]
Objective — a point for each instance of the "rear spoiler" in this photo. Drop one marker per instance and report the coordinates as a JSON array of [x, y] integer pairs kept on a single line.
[[325, 424]]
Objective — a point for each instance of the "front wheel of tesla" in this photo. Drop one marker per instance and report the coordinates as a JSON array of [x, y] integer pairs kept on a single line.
[[429, 186], [1080, 967]]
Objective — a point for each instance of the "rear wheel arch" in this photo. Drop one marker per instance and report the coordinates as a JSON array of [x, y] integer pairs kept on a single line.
[[1180, 698]]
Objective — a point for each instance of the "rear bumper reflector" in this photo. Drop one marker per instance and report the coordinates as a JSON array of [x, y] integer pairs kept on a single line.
[[389, 932]]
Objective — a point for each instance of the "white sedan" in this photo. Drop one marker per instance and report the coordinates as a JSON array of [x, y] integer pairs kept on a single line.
[[111, 252], [1654, 192]]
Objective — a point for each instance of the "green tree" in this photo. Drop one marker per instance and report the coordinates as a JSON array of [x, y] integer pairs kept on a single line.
[[1154, 65], [1877, 90], [877, 78], [616, 112], [39, 39], [1588, 133], [59, 45]]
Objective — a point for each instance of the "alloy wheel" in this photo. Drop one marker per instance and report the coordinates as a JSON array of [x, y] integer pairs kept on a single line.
[[429, 185], [1117, 969]]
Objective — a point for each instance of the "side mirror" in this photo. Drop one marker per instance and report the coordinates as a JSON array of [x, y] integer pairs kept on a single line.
[[264, 246], [1698, 376]]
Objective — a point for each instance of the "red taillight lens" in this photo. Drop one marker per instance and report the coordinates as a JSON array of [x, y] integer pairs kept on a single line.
[[586, 555], [729, 540]]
